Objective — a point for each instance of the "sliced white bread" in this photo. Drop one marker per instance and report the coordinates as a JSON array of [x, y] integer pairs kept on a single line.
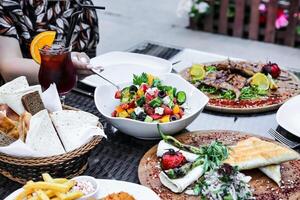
[[70, 126], [42, 136]]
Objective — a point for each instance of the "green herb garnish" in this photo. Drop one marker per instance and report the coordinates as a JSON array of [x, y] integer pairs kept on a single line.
[[138, 80], [228, 94], [252, 92], [210, 69]]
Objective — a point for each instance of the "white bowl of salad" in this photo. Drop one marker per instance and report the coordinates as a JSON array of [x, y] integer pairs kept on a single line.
[[138, 106]]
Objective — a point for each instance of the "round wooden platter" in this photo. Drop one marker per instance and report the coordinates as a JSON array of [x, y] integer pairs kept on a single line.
[[289, 86], [264, 188]]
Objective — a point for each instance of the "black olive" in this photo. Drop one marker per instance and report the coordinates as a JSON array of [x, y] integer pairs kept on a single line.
[[133, 89], [161, 94], [173, 118], [142, 116]]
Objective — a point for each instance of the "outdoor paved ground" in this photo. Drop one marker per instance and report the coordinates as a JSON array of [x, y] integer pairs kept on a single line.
[[125, 23]]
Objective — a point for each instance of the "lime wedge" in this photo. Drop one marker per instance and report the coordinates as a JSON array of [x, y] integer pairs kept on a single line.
[[197, 72], [261, 81]]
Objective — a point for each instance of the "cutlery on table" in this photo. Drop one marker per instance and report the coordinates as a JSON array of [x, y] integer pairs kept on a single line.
[[283, 140]]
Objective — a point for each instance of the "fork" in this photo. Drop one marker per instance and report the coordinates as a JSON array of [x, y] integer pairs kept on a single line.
[[283, 139]]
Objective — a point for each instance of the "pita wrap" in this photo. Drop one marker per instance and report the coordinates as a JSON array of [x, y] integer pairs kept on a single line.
[[273, 172], [180, 184], [255, 153], [42, 137], [71, 125]]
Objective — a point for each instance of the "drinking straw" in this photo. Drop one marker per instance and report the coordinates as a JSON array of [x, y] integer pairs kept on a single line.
[[74, 18]]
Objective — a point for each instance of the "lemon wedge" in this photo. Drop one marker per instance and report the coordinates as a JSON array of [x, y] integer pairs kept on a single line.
[[261, 81], [273, 85], [197, 72]]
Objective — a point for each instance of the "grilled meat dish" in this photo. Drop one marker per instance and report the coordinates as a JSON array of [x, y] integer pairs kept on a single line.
[[237, 81], [241, 67], [219, 80]]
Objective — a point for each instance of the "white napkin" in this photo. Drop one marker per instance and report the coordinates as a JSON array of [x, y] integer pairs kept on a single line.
[[51, 100], [164, 147]]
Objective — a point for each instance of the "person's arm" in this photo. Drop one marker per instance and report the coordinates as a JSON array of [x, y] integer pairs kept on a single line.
[[12, 63]]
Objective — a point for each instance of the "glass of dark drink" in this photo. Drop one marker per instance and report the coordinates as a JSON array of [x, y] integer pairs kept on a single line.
[[57, 67]]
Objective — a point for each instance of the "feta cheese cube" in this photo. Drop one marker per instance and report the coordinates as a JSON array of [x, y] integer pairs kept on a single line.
[[166, 100], [159, 110], [138, 110], [151, 91]]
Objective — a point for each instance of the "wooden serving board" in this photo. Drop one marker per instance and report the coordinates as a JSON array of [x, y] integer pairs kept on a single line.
[[264, 188], [288, 87]]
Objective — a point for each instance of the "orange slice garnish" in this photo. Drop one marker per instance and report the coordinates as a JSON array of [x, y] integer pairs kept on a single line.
[[38, 42]]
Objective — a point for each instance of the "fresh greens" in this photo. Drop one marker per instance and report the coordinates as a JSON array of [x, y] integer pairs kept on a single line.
[[138, 80], [208, 89], [210, 69], [214, 154], [228, 94], [252, 92]]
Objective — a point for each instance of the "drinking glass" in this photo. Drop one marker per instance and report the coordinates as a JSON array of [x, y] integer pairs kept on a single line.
[[57, 67]]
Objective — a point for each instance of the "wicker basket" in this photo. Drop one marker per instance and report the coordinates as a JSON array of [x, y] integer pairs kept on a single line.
[[68, 165]]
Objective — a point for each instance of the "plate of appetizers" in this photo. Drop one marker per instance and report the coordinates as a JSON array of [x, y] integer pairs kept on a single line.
[[221, 165], [242, 86], [82, 188], [118, 67]]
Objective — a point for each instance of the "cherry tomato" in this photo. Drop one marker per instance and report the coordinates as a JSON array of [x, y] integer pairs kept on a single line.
[[118, 94]]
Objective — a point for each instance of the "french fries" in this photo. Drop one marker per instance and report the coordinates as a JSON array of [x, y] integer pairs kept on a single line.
[[49, 189]]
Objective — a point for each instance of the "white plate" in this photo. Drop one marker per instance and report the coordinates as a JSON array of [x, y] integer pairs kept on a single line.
[[119, 67], [112, 186], [288, 115]]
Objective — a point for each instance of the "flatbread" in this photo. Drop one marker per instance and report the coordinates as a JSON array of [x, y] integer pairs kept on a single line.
[[255, 153], [19, 83], [42, 136], [180, 184], [273, 172], [14, 99], [70, 125]]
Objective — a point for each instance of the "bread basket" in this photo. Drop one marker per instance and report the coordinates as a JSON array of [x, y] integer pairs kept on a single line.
[[68, 165]]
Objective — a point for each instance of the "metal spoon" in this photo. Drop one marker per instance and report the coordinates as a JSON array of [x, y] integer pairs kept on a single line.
[[98, 73]]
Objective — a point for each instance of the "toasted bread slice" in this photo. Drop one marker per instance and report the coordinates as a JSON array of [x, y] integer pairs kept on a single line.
[[32, 102]]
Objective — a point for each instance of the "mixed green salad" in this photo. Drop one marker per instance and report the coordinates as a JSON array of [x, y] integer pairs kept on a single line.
[[148, 100]]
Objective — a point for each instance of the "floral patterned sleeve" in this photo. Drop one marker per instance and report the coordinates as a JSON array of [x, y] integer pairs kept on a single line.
[[7, 27]]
